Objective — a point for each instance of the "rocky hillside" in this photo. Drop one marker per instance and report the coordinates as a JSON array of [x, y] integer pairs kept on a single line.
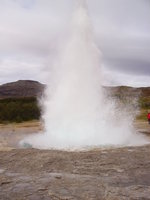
[[28, 88], [21, 88], [128, 91]]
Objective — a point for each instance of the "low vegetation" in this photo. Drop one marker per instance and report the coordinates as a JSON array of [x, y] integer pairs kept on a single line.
[[18, 100], [27, 108], [19, 109], [144, 104]]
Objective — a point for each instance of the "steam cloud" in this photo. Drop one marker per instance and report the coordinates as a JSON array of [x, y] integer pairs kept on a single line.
[[78, 113]]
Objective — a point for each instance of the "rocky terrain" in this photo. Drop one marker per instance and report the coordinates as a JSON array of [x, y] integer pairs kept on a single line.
[[103, 174], [30, 88], [98, 174], [21, 88]]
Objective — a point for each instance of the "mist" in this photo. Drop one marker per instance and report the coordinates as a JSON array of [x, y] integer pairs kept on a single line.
[[78, 114]]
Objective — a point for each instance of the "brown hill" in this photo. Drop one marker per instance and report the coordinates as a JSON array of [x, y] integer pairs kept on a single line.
[[21, 88], [129, 91], [29, 88]]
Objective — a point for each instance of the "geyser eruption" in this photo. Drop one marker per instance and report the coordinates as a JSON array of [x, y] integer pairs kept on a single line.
[[77, 112]]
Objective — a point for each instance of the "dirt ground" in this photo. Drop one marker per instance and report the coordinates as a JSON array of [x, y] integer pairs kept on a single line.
[[11, 134], [102, 174]]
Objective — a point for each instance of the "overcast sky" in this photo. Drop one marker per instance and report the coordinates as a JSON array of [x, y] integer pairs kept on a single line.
[[32, 30]]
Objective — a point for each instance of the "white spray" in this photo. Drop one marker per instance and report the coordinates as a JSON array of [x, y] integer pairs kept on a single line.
[[77, 112]]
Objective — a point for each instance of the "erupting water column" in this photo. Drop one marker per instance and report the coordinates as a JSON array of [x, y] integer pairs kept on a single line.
[[77, 113], [73, 112]]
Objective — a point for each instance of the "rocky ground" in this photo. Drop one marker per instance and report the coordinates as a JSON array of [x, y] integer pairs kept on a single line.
[[101, 174]]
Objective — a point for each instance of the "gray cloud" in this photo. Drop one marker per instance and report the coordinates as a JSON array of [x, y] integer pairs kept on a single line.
[[136, 66], [31, 30]]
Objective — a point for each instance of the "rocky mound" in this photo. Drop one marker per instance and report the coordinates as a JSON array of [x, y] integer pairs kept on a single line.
[[21, 88], [30, 88]]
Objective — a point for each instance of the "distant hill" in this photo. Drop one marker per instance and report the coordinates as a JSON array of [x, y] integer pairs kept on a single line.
[[29, 88], [21, 88], [129, 91]]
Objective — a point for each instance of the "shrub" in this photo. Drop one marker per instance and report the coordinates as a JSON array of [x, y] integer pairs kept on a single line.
[[19, 109]]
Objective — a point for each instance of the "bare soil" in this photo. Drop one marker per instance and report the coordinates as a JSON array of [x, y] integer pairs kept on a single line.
[[11, 134], [102, 174]]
